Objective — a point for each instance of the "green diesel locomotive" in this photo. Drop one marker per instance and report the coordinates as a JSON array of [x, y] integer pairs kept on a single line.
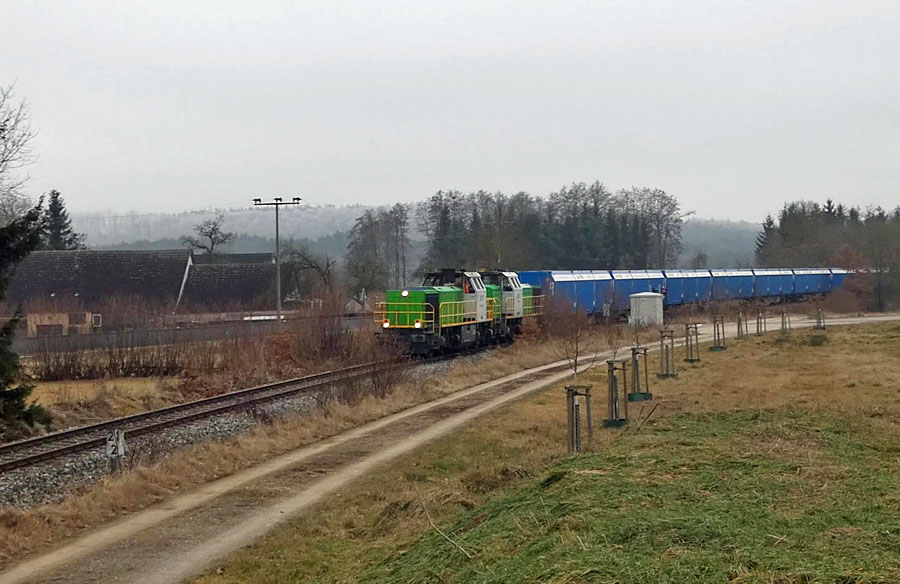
[[455, 309]]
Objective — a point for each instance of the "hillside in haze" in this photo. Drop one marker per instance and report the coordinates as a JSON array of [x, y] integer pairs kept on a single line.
[[725, 243], [302, 222], [325, 230]]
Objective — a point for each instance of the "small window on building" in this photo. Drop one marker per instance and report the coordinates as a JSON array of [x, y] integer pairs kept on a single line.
[[77, 318]]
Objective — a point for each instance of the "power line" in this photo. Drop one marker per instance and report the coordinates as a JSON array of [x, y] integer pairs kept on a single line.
[[229, 207]]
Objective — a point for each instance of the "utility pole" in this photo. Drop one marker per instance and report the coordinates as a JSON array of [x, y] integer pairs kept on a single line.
[[277, 202]]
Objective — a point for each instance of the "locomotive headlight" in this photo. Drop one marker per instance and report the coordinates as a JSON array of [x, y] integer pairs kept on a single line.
[[405, 293], [418, 324], [386, 324]]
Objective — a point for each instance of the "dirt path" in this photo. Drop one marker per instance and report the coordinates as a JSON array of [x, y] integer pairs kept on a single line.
[[179, 538], [182, 537]]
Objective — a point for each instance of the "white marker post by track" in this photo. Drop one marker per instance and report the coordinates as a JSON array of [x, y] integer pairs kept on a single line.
[[115, 449]]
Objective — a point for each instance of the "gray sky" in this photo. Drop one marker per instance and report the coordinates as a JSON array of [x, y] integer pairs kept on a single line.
[[734, 107]]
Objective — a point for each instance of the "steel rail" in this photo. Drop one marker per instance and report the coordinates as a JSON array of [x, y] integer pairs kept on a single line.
[[33, 450]]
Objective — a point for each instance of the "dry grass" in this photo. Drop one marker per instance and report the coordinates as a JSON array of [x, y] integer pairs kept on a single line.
[[25, 531], [501, 451], [841, 369], [854, 374], [76, 403], [52, 393]]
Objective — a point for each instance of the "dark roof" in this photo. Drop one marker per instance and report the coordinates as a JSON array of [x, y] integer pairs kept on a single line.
[[234, 258], [222, 285], [92, 276]]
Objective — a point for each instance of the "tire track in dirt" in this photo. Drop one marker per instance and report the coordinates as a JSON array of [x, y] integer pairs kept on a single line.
[[177, 539]]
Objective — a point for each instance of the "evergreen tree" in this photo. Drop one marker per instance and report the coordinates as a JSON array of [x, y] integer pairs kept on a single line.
[[58, 232], [17, 239], [764, 240]]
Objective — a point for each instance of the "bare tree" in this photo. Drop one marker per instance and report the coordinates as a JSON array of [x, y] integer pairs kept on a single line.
[[398, 220], [303, 260], [613, 334], [665, 218], [574, 335], [16, 135], [210, 235]]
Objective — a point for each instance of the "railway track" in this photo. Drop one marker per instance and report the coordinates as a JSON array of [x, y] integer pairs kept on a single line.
[[34, 450]]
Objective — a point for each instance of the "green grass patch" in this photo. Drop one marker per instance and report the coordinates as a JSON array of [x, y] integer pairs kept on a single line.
[[770, 496]]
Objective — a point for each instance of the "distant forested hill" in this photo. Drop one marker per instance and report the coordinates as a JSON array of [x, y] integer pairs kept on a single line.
[[303, 222], [325, 229], [334, 245], [726, 244]]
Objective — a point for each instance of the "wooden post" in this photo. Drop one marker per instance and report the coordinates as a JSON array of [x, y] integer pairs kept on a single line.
[[820, 320], [590, 417]]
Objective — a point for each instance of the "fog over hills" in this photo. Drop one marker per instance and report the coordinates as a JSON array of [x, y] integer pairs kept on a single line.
[[324, 228], [725, 243], [301, 222]]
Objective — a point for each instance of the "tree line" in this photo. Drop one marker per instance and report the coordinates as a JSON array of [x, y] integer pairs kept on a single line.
[[582, 226], [807, 234]]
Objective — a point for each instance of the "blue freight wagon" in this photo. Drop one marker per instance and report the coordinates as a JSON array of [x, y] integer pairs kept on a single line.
[[838, 275], [603, 289], [585, 291], [812, 280], [599, 291], [628, 282], [539, 278], [773, 282], [582, 289], [732, 284], [687, 286], [557, 283]]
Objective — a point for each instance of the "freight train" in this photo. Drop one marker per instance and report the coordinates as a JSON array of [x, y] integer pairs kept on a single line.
[[456, 309]]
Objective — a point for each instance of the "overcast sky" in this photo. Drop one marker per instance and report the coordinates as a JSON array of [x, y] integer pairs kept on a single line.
[[734, 107]]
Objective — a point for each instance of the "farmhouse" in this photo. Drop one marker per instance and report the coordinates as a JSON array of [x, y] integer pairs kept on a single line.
[[135, 288]]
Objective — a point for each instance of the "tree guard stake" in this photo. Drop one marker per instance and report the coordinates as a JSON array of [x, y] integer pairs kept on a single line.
[[718, 333], [640, 388], [760, 322], [692, 343], [820, 320], [615, 370], [573, 416], [667, 354]]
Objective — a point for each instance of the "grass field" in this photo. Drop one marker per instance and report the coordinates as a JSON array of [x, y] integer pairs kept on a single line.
[[93, 400], [777, 460]]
